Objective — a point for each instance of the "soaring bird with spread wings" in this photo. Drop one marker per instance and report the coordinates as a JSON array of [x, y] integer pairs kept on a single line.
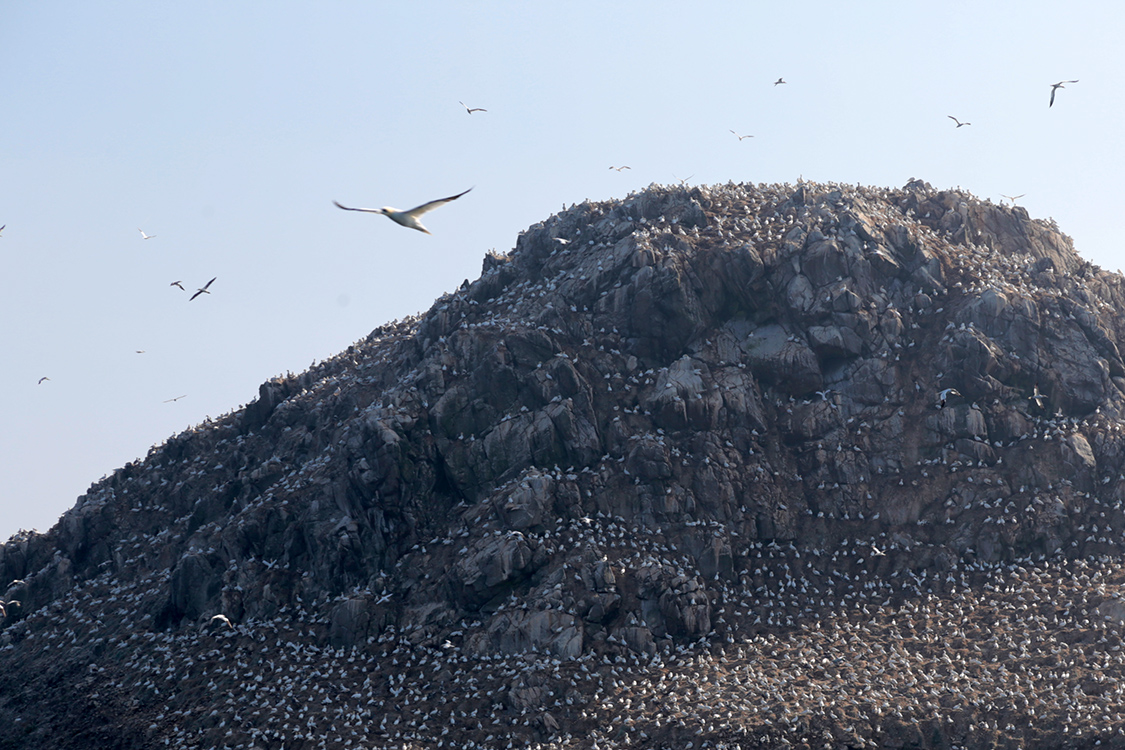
[[407, 218]]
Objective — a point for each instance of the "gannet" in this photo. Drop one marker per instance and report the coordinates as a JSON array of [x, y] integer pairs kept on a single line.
[[1036, 396], [2, 227], [202, 289], [1054, 87], [1013, 198], [944, 395], [959, 123], [177, 398], [684, 180], [42, 379], [221, 618], [740, 137], [779, 81], [145, 236], [620, 168], [470, 110], [176, 283], [407, 218], [877, 552]]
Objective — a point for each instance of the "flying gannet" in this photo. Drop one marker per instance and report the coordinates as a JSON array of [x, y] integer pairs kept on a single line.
[[779, 81], [1036, 396], [2, 227], [959, 123], [176, 283], [202, 289], [407, 218], [944, 395], [42, 379], [1055, 87], [177, 398], [221, 618], [145, 236], [620, 168], [470, 110], [740, 137], [1013, 198]]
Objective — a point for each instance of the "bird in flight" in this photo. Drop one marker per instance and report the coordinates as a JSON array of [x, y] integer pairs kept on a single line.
[[203, 289], [223, 619], [959, 123], [145, 236], [620, 168], [779, 81], [1055, 87], [2, 228], [683, 182], [1013, 198], [944, 395], [407, 218], [176, 283], [470, 110], [177, 398], [1036, 396], [42, 379], [139, 351], [740, 137]]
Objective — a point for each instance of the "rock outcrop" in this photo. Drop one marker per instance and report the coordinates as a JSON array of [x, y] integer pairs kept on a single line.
[[671, 473]]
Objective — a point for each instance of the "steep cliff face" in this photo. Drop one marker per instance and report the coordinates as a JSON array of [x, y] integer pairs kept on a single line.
[[673, 470]]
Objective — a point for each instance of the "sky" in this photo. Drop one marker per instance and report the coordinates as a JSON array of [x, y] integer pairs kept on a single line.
[[225, 130]]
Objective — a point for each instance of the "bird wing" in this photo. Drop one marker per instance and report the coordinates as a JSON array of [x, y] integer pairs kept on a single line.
[[209, 283], [365, 210], [419, 210], [1053, 90]]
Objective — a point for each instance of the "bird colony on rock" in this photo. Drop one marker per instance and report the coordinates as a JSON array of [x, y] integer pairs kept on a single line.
[[671, 473]]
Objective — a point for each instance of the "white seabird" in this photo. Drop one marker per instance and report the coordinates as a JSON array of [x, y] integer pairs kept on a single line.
[[1036, 396], [1055, 87], [145, 236], [470, 110], [779, 81], [202, 289], [944, 395], [177, 398], [620, 168], [1013, 198], [407, 218], [740, 137], [221, 618], [176, 283], [959, 123], [42, 379]]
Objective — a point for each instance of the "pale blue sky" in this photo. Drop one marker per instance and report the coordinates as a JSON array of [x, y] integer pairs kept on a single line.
[[227, 129]]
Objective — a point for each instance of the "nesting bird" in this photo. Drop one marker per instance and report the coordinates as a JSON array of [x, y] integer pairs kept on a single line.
[[407, 218]]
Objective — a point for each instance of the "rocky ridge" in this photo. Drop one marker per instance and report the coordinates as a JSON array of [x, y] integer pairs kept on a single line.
[[669, 472]]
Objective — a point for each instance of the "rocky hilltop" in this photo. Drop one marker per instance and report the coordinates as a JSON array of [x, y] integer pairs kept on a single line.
[[674, 472]]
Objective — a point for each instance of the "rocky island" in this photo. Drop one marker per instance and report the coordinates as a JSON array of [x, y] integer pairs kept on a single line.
[[672, 473]]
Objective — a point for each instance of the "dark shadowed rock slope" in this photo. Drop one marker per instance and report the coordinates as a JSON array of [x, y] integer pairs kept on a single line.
[[669, 474]]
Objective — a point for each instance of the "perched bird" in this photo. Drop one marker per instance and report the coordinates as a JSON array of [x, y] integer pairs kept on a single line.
[[959, 123], [740, 137], [620, 168], [176, 283], [779, 81], [145, 236], [407, 218], [177, 398], [202, 289], [1055, 87], [1036, 396], [470, 110], [221, 618], [944, 395], [42, 379]]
